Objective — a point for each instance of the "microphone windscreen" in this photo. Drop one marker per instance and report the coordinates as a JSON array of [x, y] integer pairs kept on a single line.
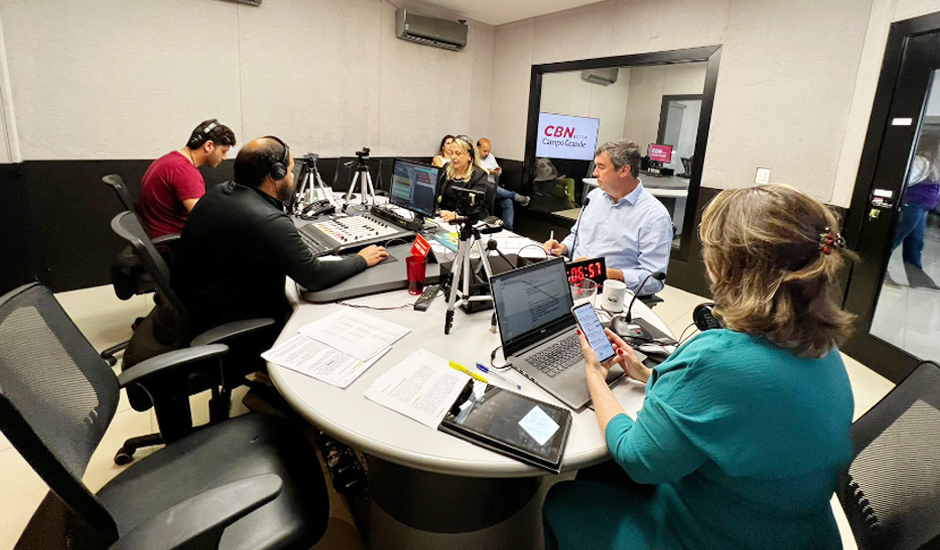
[[658, 275]]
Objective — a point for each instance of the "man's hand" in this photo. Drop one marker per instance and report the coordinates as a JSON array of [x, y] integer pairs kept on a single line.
[[448, 216], [554, 248], [498, 170], [615, 274], [373, 254]]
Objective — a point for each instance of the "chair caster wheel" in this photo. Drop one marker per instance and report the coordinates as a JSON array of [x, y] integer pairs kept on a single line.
[[112, 360], [123, 458]]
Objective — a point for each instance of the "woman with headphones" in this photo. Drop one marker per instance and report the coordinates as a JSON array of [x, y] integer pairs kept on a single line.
[[463, 170]]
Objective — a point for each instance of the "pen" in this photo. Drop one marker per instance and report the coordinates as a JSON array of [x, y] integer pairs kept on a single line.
[[551, 237], [503, 378], [465, 370]]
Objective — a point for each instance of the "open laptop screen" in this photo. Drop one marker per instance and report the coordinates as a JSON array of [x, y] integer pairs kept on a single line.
[[531, 298]]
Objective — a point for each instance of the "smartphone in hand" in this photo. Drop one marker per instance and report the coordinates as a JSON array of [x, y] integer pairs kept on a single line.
[[593, 330]]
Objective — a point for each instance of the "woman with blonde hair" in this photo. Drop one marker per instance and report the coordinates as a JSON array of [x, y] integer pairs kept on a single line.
[[464, 171], [744, 430]]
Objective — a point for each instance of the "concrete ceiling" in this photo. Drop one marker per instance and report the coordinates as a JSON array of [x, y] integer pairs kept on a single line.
[[499, 12]]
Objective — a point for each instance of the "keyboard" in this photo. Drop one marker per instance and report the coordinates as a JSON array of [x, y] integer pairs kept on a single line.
[[557, 357]]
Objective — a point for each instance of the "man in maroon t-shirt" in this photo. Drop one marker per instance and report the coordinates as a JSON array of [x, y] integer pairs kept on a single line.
[[172, 185]]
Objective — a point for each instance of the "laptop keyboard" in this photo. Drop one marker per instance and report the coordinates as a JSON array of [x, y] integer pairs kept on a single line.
[[557, 357]]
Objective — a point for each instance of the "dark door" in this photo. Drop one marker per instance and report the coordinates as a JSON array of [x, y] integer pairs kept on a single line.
[[893, 223]]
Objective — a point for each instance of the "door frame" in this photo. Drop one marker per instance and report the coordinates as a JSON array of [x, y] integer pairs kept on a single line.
[[711, 55], [884, 358]]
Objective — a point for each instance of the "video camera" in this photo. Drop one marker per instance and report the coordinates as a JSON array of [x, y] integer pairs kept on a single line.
[[470, 203], [363, 155], [310, 158]]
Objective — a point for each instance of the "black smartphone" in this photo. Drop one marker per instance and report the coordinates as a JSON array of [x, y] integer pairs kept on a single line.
[[593, 330]]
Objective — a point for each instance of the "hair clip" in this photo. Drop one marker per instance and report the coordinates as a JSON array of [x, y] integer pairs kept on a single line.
[[828, 241]]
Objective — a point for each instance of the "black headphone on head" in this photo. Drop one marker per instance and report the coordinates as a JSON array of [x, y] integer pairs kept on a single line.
[[201, 134], [470, 147], [278, 170]]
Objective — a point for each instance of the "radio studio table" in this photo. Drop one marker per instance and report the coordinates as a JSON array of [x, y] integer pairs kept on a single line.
[[429, 489]]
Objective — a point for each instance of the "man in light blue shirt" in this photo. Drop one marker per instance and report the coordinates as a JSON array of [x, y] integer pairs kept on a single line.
[[623, 222]]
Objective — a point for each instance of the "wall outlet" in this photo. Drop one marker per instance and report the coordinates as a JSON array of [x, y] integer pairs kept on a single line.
[[763, 176]]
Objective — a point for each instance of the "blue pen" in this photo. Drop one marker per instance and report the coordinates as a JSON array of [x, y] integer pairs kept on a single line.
[[493, 374]]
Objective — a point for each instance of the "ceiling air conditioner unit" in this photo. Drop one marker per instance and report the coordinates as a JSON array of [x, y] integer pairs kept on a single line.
[[604, 77], [441, 33]]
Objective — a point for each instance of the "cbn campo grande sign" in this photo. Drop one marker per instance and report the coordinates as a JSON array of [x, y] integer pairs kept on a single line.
[[566, 137]]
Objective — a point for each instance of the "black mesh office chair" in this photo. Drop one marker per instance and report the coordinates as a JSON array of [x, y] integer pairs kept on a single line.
[[167, 328], [251, 482], [891, 491], [129, 277]]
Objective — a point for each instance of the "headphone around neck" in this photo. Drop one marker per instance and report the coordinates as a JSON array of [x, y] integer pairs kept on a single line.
[[278, 170], [201, 134]]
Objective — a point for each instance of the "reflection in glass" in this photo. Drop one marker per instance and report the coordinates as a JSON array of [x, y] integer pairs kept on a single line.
[[908, 311], [651, 105]]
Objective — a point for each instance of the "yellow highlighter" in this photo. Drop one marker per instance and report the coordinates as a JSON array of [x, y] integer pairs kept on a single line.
[[468, 372]]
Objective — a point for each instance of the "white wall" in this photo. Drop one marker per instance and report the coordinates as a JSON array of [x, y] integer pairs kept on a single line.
[[567, 94], [795, 86], [648, 85], [123, 79]]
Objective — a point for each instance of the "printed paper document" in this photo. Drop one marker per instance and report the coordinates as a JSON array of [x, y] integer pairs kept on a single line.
[[316, 359], [355, 333], [422, 387]]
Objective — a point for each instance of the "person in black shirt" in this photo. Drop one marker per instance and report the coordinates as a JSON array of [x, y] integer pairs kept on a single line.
[[463, 170], [239, 244]]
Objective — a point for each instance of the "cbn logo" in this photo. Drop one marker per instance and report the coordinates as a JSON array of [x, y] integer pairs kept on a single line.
[[559, 131]]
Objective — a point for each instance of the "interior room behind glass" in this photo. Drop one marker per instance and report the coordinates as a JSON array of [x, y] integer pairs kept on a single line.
[[651, 105]]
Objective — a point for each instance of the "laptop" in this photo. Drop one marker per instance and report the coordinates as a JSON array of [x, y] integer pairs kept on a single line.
[[539, 332]]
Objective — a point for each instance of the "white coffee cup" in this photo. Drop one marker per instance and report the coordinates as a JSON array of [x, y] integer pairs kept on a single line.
[[612, 297]]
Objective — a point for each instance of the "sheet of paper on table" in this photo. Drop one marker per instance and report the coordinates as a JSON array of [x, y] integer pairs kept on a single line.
[[317, 360], [355, 333], [422, 387]]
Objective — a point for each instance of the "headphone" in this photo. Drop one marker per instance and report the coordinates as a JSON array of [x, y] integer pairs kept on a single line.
[[201, 134], [703, 317], [278, 170], [470, 147]]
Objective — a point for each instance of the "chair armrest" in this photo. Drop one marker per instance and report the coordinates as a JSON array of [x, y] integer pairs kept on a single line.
[[166, 239], [168, 362], [230, 330], [198, 522]]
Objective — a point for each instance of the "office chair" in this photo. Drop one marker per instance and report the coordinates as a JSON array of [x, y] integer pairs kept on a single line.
[[129, 277], [167, 328], [251, 482], [891, 491]]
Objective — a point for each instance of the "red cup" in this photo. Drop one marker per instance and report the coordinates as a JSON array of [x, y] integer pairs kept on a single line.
[[417, 268]]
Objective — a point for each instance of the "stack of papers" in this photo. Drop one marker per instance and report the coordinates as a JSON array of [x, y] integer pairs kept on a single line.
[[338, 348], [422, 387]]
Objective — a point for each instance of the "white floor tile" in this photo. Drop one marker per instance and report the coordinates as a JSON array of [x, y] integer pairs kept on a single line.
[[23, 490], [677, 305]]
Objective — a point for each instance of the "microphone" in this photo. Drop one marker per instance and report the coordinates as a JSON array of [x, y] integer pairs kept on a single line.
[[577, 226], [658, 275]]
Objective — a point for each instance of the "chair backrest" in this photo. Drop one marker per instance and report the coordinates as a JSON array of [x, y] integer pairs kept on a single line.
[[891, 491], [57, 397], [116, 182], [127, 226]]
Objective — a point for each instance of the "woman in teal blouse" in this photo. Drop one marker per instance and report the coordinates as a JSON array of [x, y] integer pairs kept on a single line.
[[744, 430]]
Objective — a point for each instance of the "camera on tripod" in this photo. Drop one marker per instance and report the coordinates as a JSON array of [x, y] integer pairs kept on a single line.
[[310, 159], [470, 204], [363, 155]]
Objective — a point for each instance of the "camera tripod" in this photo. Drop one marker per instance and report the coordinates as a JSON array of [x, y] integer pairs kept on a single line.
[[363, 178], [461, 269], [311, 187]]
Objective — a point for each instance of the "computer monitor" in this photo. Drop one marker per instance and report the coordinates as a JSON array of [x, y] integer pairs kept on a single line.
[[659, 153], [414, 186]]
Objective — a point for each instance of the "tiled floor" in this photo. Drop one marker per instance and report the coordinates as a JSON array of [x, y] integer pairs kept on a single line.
[[106, 321], [909, 317]]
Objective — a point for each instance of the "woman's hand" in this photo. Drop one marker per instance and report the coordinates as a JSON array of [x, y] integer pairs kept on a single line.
[[625, 357], [448, 216]]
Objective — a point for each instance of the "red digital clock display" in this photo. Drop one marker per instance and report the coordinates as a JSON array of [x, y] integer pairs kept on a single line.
[[594, 269]]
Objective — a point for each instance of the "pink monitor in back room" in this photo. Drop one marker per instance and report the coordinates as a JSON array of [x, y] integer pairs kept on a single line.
[[659, 153]]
